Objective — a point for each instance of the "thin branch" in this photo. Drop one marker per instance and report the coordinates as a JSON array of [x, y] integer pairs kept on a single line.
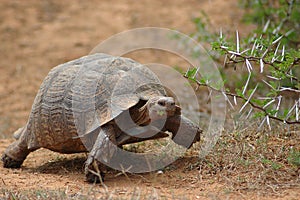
[[253, 105]]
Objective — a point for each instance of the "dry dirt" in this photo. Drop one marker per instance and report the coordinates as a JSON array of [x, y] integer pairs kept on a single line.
[[37, 35]]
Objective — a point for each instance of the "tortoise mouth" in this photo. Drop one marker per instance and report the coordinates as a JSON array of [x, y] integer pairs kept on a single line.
[[160, 113], [171, 112]]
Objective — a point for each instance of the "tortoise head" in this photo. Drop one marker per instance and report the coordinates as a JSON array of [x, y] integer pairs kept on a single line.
[[159, 107]]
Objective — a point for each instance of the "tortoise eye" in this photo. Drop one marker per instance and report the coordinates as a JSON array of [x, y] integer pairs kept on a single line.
[[162, 103]]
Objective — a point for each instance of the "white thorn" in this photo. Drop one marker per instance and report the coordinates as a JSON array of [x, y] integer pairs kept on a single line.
[[278, 105], [268, 103], [282, 54], [254, 90], [242, 108], [247, 83], [262, 123], [261, 62], [237, 42], [268, 84], [290, 111], [224, 47], [277, 40], [253, 47], [186, 73], [297, 111], [268, 122], [274, 78], [266, 26], [264, 98], [196, 72], [244, 51], [275, 53], [289, 89], [221, 33], [264, 54], [227, 99], [249, 66], [288, 33], [234, 53], [250, 111]]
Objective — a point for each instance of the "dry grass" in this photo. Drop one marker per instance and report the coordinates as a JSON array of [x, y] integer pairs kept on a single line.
[[247, 160]]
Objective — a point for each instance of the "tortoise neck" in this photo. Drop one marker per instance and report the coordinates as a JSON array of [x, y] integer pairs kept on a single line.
[[142, 116]]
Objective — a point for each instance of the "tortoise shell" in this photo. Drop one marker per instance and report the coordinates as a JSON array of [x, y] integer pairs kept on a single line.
[[80, 96]]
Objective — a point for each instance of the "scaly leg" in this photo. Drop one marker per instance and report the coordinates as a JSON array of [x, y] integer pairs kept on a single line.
[[17, 152], [184, 131], [102, 151], [138, 134]]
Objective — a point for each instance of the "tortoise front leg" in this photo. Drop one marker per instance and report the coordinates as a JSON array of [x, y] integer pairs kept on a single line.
[[101, 153], [184, 131], [139, 134]]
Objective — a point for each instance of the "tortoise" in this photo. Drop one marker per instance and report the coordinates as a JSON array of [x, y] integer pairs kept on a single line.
[[96, 104]]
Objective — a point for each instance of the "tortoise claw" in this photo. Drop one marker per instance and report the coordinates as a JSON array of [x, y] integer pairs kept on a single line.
[[94, 178], [8, 162]]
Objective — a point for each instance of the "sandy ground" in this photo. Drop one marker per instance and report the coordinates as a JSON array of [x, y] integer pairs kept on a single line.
[[38, 35]]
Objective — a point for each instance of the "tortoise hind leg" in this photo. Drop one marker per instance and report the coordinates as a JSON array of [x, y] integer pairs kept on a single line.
[[16, 152]]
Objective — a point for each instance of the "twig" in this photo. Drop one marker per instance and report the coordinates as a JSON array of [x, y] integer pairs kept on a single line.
[[3, 181], [253, 105]]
